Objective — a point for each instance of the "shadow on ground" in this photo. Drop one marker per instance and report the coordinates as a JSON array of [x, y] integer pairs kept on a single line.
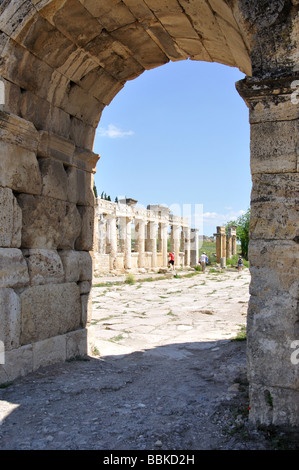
[[180, 396]]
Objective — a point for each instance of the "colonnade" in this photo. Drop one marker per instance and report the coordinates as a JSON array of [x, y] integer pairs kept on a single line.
[[128, 237], [226, 243]]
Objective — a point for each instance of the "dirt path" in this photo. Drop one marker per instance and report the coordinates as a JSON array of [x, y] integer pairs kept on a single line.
[[168, 376]]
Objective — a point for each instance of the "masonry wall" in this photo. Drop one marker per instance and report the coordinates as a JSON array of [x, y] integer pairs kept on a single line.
[[46, 215]]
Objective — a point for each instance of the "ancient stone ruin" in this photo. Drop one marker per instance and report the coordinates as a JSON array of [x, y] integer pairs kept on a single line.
[[61, 63], [129, 238]]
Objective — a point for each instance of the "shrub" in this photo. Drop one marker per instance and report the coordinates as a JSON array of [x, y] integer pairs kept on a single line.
[[130, 279]]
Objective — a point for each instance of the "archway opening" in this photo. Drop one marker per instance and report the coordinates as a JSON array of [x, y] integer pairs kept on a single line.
[[176, 136]]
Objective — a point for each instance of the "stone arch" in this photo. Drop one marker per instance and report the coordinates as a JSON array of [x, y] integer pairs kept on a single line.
[[61, 63]]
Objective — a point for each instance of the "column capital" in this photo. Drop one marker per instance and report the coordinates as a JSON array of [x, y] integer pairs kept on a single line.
[[252, 87], [272, 99]]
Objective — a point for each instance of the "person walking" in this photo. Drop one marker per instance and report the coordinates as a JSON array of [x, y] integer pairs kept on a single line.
[[203, 261], [240, 263], [171, 261]]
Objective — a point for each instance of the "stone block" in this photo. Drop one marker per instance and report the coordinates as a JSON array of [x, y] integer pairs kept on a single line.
[[144, 49], [18, 363], [86, 301], [48, 311], [54, 178], [85, 266], [85, 287], [82, 134], [278, 108], [101, 84], [274, 267], [80, 187], [273, 405], [60, 122], [49, 223], [13, 268], [71, 264], [55, 147], [10, 316], [85, 241], [19, 169], [77, 265], [44, 266], [274, 219], [76, 344], [35, 109], [46, 42], [49, 351], [79, 102], [10, 220], [271, 329], [274, 147], [10, 97], [73, 20]]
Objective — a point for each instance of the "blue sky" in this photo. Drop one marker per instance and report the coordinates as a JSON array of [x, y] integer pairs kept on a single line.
[[179, 135]]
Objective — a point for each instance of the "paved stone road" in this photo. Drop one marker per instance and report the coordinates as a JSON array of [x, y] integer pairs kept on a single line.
[[168, 375]]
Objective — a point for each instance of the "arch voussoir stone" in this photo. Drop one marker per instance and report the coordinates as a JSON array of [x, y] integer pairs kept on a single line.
[[61, 63]]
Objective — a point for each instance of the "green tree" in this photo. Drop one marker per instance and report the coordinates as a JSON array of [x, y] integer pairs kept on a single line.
[[95, 190], [242, 230]]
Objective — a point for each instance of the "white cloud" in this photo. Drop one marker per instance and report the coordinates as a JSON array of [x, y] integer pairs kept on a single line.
[[220, 219], [113, 132]]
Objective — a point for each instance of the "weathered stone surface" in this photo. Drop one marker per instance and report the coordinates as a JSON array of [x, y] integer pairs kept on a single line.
[[10, 220], [146, 51], [10, 95], [18, 362], [85, 240], [10, 315], [85, 266], [49, 310], [76, 343], [56, 147], [77, 265], [49, 351], [44, 266], [19, 169], [85, 287], [13, 268], [80, 187], [54, 178], [49, 223], [271, 405], [274, 147], [86, 302], [35, 109], [45, 41], [274, 267], [71, 264], [275, 206]]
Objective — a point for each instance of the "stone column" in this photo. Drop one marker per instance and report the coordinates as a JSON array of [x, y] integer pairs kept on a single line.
[[152, 241], [229, 240], [128, 243], [220, 244], [194, 247], [234, 240], [101, 234], [111, 240], [140, 241], [163, 227], [187, 244], [273, 321], [175, 242]]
